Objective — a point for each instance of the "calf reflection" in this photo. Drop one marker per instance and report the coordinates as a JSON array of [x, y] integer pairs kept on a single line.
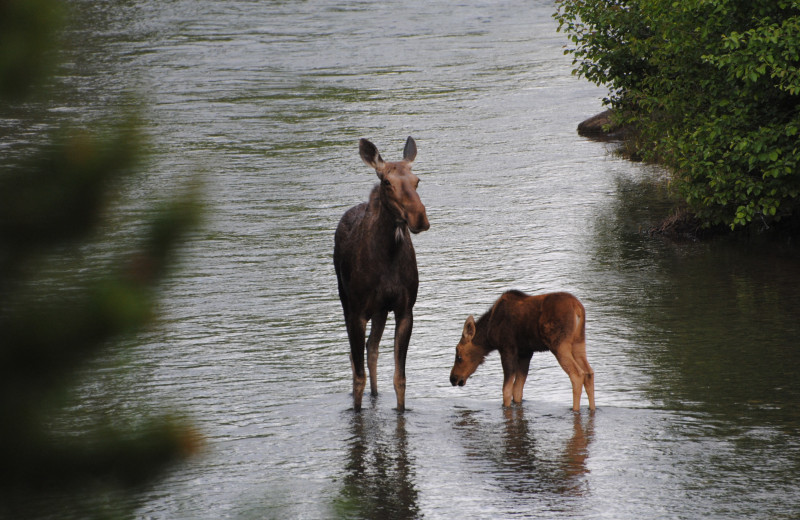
[[524, 457], [379, 476]]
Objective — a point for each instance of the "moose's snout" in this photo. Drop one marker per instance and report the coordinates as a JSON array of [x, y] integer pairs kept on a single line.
[[418, 221], [423, 226]]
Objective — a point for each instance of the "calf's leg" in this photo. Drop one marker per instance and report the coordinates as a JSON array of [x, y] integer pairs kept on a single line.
[[579, 353], [576, 374], [522, 374], [510, 365]]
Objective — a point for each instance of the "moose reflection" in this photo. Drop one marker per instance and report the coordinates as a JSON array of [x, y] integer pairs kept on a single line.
[[376, 267], [379, 479]]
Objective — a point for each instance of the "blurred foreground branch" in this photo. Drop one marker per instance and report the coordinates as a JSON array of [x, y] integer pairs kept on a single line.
[[57, 195]]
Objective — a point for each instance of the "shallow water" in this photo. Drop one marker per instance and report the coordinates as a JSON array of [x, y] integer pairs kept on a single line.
[[694, 344]]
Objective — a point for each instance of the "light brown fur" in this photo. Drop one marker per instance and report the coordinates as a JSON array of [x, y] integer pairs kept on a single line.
[[518, 325]]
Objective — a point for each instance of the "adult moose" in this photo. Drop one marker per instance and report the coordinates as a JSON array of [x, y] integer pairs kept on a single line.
[[518, 325], [376, 267]]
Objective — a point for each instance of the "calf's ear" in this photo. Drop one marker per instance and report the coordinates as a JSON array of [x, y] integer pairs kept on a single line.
[[469, 328], [370, 156]]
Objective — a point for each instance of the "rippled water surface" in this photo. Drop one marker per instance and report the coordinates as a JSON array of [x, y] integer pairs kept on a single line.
[[695, 345]]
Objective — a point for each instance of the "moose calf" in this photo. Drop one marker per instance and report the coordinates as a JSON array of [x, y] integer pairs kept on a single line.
[[518, 325]]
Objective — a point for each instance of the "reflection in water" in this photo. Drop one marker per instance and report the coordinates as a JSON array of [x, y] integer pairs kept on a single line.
[[523, 462], [577, 449], [719, 319], [379, 479], [716, 324]]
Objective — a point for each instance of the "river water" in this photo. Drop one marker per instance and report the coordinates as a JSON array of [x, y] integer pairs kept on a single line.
[[694, 345]]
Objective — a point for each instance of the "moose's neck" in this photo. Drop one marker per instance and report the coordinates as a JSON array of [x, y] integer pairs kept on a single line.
[[389, 231]]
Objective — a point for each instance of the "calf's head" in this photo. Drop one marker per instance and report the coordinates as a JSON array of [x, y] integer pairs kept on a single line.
[[468, 355], [398, 189]]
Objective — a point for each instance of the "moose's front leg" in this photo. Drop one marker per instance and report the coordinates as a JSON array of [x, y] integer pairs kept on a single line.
[[510, 364], [375, 333], [523, 365], [402, 335]]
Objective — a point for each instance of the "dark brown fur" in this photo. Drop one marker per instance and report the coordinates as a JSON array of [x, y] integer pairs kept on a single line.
[[376, 267], [518, 325]]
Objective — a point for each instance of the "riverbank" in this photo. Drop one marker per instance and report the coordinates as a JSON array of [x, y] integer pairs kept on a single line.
[[681, 223]]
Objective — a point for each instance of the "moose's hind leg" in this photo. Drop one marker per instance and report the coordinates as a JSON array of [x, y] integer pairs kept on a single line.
[[589, 384], [574, 371], [356, 328], [579, 353]]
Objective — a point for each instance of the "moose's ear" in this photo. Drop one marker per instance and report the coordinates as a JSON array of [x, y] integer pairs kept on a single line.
[[410, 151], [370, 156], [469, 328]]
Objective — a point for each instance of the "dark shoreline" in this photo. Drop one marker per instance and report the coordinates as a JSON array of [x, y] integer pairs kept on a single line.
[[602, 128], [681, 223]]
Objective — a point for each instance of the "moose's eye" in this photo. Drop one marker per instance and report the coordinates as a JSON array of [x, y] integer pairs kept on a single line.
[[458, 357], [386, 183]]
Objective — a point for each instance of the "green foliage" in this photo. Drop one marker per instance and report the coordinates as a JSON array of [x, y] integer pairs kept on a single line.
[[53, 198], [713, 89]]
